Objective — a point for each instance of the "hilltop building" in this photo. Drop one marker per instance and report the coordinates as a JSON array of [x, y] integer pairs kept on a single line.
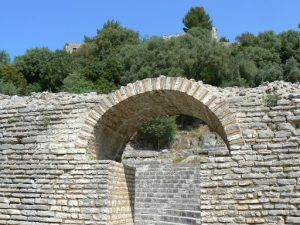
[[72, 47], [214, 34]]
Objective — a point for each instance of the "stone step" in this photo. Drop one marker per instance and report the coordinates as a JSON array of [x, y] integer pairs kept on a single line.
[[159, 219], [167, 194], [170, 212], [191, 207], [151, 222], [179, 192], [169, 200]]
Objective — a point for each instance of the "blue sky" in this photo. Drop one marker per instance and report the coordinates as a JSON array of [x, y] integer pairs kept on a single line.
[[36, 23]]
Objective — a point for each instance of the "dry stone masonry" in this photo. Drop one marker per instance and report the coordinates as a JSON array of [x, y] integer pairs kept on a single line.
[[167, 194], [49, 144]]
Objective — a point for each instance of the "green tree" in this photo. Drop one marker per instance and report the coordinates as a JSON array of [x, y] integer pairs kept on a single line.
[[77, 83], [9, 74], [34, 87], [260, 56], [4, 57], [110, 39], [197, 17], [269, 72], [201, 34], [12, 82], [8, 88], [269, 40], [292, 70], [33, 64], [224, 39], [45, 68], [187, 55], [244, 71], [290, 45], [247, 39], [99, 55], [161, 130], [87, 50], [59, 66]]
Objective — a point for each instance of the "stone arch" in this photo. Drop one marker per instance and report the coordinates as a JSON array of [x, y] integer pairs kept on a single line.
[[109, 126]]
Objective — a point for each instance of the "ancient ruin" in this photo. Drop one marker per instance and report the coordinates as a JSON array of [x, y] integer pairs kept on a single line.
[[61, 157]]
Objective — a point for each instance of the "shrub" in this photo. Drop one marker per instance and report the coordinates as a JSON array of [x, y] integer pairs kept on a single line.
[[161, 130], [271, 99]]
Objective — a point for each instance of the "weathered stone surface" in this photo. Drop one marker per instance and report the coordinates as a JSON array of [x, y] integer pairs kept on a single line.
[[47, 142], [293, 220]]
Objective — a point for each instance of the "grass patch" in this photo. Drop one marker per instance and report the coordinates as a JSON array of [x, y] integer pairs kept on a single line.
[[271, 100], [178, 159], [92, 157]]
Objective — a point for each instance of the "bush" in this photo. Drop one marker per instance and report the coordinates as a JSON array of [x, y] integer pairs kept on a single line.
[[271, 100], [76, 83], [161, 130], [8, 88]]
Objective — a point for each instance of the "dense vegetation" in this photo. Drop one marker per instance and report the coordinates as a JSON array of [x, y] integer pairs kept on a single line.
[[117, 55]]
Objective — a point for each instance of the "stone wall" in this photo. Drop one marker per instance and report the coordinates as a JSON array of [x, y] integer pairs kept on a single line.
[[43, 126], [121, 194], [64, 192], [47, 178]]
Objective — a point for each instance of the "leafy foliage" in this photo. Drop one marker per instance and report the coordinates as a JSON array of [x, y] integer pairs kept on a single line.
[[112, 38], [8, 88], [290, 45], [76, 83], [197, 17], [4, 57], [33, 64], [247, 39], [190, 56], [45, 68], [292, 70], [8, 73], [116, 56], [161, 130]]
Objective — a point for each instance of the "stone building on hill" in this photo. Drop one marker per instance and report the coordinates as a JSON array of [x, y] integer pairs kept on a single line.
[[72, 47]]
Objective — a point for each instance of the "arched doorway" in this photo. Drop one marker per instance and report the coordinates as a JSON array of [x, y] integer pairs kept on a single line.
[[110, 125]]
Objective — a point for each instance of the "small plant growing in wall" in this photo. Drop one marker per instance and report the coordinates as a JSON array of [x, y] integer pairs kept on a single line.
[[178, 159], [92, 157], [12, 120], [271, 100], [19, 140], [45, 122]]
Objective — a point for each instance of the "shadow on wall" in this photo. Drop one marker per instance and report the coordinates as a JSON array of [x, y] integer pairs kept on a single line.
[[121, 193], [130, 182]]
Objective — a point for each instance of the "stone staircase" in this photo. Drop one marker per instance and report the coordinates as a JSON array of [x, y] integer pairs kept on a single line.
[[167, 194]]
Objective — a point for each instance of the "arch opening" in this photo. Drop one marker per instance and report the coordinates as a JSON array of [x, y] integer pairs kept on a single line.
[[119, 115], [173, 139]]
